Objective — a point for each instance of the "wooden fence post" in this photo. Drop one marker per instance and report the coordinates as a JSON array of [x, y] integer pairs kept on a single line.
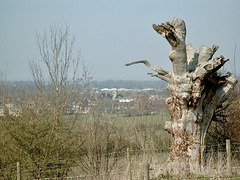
[[228, 149], [129, 170], [144, 172], [18, 171], [219, 154]]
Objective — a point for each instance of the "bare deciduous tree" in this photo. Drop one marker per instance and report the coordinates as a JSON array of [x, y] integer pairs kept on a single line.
[[62, 65], [196, 91]]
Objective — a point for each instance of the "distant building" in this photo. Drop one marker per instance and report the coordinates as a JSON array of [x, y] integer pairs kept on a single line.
[[10, 109], [125, 100]]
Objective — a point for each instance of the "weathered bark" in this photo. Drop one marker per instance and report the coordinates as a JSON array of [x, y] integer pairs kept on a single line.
[[196, 91]]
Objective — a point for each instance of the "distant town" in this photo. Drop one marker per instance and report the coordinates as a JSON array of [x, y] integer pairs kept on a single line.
[[124, 97]]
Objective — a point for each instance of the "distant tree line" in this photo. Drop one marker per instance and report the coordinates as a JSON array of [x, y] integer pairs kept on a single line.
[[129, 84]]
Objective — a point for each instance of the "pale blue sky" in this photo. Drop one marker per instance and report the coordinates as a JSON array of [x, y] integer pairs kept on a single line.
[[111, 33]]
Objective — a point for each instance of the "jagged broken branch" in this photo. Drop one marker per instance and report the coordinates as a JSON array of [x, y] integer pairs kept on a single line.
[[162, 74]]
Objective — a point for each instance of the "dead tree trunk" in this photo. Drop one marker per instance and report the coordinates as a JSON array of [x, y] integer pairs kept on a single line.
[[196, 91]]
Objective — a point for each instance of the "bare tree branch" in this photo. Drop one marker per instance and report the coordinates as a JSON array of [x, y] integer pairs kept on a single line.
[[206, 53], [165, 78], [162, 74], [57, 54], [209, 67]]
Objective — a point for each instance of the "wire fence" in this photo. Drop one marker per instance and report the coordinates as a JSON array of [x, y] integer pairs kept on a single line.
[[129, 164]]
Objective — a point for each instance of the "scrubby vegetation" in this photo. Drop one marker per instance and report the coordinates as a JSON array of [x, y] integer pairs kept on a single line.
[[49, 148]]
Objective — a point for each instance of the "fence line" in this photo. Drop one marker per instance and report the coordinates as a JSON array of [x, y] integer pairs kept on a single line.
[[20, 171]]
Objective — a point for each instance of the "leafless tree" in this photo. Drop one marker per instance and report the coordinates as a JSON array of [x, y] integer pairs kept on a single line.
[[196, 91], [59, 72], [41, 135]]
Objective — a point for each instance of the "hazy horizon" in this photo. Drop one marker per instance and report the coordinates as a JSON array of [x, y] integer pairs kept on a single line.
[[110, 34]]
